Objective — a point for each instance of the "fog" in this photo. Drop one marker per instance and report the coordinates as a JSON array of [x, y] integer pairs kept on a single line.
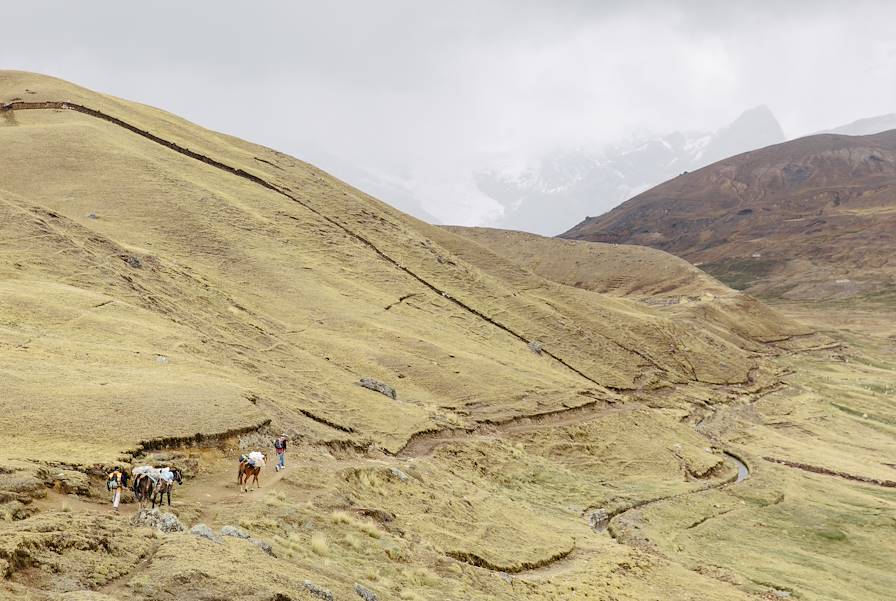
[[411, 99]]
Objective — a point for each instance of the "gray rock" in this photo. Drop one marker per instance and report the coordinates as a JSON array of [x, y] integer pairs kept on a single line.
[[379, 387], [399, 474], [205, 532], [263, 545], [153, 518], [599, 519], [168, 522], [320, 593], [365, 593], [134, 262], [781, 594], [536, 347], [235, 532]]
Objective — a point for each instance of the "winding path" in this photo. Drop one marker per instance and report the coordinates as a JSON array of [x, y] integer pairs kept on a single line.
[[426, 442], [743, 472]]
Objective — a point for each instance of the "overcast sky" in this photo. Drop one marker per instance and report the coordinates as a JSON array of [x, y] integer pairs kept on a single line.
[[421, 94]]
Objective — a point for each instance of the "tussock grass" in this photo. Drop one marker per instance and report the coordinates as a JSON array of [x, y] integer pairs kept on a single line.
[[342, 517], [319, 544], [369, 528], [353, 542]]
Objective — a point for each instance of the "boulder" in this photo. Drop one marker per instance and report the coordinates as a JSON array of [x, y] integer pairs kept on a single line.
[[536, 347], [365, 593], [133, 261], [399, 474], [379, 387], [599, 519], [316, 591], [153, 518], [204, 531], [263, 545], [235, 532]]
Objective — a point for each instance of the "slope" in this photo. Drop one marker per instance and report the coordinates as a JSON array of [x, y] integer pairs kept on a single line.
[[808, 219], [644, 275], [282, 276], [173, 295]]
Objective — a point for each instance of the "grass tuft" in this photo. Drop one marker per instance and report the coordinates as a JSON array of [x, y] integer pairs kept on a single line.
[[319, 544]]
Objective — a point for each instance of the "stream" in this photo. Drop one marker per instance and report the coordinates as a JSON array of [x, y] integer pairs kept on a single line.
[[743, 472], [599, 520]]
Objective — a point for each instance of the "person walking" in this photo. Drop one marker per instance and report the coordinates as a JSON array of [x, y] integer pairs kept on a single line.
[[280, 447], [114, 482]]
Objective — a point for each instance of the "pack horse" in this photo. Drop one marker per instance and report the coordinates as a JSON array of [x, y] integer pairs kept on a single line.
[[155, 483], [250, 467]]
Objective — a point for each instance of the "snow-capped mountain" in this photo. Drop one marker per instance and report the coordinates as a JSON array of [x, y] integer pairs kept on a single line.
[[562, 187]]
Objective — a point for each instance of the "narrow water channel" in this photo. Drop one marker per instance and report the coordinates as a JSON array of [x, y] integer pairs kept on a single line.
[[743, 472]]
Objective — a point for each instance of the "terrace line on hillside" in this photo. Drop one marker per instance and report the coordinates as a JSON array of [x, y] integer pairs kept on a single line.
[[62, 105]]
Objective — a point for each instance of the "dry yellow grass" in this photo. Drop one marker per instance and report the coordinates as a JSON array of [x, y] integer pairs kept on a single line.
[[645, 275], [283, 298], [149, 297]]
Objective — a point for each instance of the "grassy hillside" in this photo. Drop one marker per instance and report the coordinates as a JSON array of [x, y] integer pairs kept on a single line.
[[291, 282], [810, 219], [644, 275], [171, 294]]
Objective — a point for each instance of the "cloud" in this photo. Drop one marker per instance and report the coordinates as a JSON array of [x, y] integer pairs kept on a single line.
[[426, 93]]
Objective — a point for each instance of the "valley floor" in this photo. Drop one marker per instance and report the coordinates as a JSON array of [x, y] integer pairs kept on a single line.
[[627, 500]]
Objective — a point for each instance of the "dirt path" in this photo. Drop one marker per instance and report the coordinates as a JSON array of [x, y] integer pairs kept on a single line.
[[213, 491], [424, 443], [213, 486], [743, 473], [570, 561], [216, 486]]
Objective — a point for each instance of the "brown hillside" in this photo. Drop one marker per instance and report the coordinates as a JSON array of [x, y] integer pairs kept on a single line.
[[813, 218]]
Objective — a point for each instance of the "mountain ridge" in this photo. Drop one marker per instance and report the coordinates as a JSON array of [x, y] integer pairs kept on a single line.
[[575, 182], [780, 220]]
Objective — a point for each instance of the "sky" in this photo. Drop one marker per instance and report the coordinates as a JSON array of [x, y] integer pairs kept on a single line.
[[409, 99]]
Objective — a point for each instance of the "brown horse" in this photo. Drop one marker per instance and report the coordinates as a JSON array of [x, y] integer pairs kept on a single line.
[[246, 471], [164, 487], [143, 488]]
